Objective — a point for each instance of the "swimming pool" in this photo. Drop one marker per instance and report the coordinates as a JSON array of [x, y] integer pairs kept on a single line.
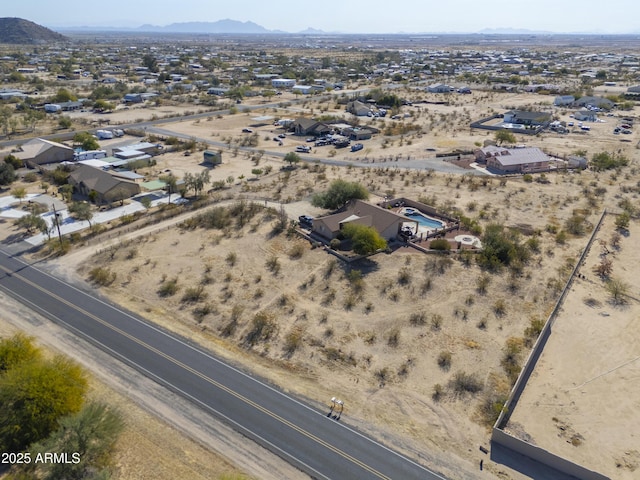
[[423, 221]]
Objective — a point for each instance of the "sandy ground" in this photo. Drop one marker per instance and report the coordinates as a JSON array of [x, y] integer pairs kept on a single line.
[[582, 400], [353, 340]]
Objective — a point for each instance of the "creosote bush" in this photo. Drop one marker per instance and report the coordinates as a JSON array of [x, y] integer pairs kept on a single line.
[[102, 276], [463, 382]]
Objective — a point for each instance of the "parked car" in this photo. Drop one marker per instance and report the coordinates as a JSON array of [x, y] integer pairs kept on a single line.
[[310, 139], [303, 149], [247, 130], [282, 135], [356, 146], [305, 220]]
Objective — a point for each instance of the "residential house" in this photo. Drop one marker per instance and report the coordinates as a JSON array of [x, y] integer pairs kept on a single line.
[[358, 108], [107, 187], [386, 222], [308, 126], [438, 88], [303, 89], [599, 102], [527, 118], [513, 160], [585, 116], [283, 82], [564, 100], [41, 152]]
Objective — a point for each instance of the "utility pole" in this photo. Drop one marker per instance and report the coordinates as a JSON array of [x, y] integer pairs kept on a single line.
[[57, 221]]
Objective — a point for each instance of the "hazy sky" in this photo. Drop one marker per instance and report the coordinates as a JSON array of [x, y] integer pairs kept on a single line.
[[346, 16]]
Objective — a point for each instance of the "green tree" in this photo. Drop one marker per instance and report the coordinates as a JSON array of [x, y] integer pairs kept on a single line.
[[292, 158], [92, 434], [618, 290], [32, 223], [501, 247], [6, 112], [81, 211], [505, 136], [86, 141], [64, 122], [103, 105], [364, 240], [64, 95], [339, 193], [34, 396], [16, 350], [608, 161], [7, 174], [622, 221], [14, 161], [150, 62], [19, 193], [172, 184], [66, 191]]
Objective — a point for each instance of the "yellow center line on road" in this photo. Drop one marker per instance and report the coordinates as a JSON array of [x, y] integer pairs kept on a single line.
[[202, 376]]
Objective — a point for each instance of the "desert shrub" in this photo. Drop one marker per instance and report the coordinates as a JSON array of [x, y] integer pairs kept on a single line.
[[438, 392], [499, 307], [168, 288], [393, 338], [444, 360], [511, 357], [527, 177], [194, 294], [501, 247], [482, 283], [438, 265], [102, 276], [382, 375], [335, 244], [441, 244], [463, 382], [404, 276], [263, 327], [561, 237], [331, 266], [618, 290], [576, 224], [231, 258], [532, 332], [607, 161], [297, 250], [273, 265], [436, 321], [292, 341], [417, 319], [202, 311]]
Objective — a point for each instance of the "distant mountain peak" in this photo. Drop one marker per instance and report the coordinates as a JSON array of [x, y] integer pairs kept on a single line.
[[19, 31], [220, 26]]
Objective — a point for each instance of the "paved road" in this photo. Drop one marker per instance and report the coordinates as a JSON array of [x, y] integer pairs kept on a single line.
[[322, 447]]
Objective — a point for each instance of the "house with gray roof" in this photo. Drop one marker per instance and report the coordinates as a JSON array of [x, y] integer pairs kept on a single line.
[[513, 160], [386, 222], [38, 152], [107, 187]]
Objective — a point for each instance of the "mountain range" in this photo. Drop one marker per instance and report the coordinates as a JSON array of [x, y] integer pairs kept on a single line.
[[23, 32]]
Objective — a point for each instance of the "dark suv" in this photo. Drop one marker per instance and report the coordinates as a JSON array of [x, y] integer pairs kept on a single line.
[[305, 220]]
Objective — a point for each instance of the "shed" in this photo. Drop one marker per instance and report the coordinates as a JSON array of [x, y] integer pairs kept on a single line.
[[212, 158]]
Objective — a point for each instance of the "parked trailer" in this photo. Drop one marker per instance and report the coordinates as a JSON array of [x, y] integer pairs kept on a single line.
[[90, 155], [104, 135]]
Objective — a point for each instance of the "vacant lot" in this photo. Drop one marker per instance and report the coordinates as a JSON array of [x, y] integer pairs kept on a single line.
[[582, 400]]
